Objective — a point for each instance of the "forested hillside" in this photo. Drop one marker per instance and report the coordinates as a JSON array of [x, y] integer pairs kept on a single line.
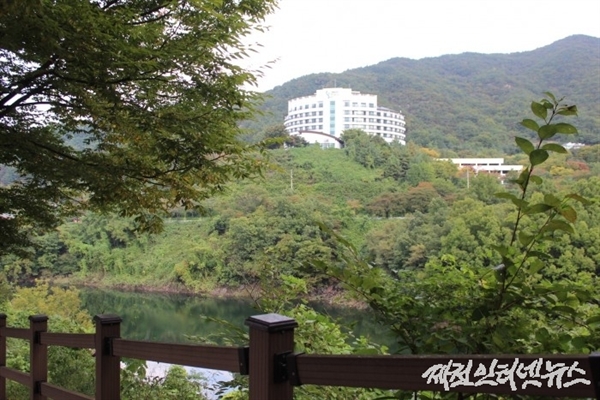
[[411, 237], [468, 103], [399, 206]]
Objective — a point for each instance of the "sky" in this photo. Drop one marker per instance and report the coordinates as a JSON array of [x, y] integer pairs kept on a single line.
[[312, 36]]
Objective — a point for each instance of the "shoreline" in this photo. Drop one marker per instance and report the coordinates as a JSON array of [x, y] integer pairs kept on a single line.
[[331, 296]]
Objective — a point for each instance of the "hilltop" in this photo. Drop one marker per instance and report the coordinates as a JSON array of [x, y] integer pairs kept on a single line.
[[468, 103]]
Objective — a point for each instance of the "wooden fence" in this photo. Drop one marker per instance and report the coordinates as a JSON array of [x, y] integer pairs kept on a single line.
[[274, 369]]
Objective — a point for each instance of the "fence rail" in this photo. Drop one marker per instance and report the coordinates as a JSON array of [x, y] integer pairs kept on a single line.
[[274, 369]]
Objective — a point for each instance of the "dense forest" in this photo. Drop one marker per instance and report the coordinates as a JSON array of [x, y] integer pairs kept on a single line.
[[469, 103], [398, 204], [385, 226]]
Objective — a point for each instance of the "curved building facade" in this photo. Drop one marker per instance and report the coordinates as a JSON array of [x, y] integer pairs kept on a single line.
[[335, 110]]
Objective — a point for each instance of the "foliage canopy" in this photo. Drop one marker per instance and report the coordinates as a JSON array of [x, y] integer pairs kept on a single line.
[[120, 105]]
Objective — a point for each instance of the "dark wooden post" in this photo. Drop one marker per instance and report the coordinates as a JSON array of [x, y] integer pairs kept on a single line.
[[108, 367], [38, 356], [2, 357], [271, 335]]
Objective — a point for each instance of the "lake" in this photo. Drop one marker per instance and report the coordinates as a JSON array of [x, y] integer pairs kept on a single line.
[[176, 318]]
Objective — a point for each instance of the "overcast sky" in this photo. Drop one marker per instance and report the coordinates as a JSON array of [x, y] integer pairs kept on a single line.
[[311, 36]]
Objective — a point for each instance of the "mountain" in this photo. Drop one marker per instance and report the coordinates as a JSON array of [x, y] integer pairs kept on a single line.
[[468, 103]]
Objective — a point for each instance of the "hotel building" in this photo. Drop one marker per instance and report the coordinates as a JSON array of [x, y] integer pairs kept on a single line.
[[323, 117]]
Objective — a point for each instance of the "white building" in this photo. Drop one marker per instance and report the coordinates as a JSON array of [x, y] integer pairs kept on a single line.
[[334, 110], [491, 165]]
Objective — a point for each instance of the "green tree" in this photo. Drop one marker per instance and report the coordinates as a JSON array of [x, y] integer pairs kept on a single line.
[[128, 106], [368, 150], [590, 154], [277, 137], [420, 170], [505, 294]]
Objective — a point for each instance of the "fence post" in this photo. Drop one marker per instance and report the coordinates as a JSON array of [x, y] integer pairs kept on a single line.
[[271, 335], [2, 356], [108, 367], [38, 356]]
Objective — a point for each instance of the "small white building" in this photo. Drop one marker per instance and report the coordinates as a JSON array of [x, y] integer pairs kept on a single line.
[[491, 165], [332, 111]]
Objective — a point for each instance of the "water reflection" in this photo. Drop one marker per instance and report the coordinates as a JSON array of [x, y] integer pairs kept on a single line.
[[165, 318], [173, 318]]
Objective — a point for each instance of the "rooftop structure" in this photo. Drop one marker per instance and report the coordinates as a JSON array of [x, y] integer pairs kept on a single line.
[[332, 111]]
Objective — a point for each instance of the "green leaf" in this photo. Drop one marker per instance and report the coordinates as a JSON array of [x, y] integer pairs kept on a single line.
[[497, 339], [552, 200], [538, 208], [578, 198], [524, 145], [565, 309], [551, 97], [549, 105], [569, 213], [525, 239], [538, 156], [567, 110], [539, 254], [557, 148], [593, 320], [530, 124], [565, 128], [539, 110], [502, 250], [536, 179], [551, 297], [536, 266], [520, 203], [554, 226], [523, 177], [547, 131], [505, 195]]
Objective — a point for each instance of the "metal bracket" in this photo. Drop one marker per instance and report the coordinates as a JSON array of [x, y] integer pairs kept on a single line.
[[293, 369], [595, 370], [37, 387], [37, 337], [108, 346], [244, 359], [280, 371], [285, 368]]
